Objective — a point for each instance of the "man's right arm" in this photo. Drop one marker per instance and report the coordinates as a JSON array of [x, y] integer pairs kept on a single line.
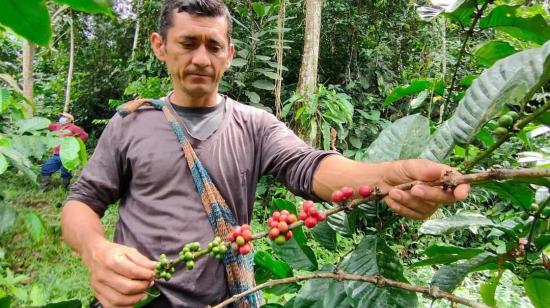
[[119, 275]]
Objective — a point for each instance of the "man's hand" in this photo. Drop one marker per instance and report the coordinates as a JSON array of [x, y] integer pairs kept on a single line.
[[421, 201], [119, 275]]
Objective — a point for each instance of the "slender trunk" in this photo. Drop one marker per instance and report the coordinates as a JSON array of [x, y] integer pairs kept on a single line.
[[307, 83], [28, 83], [279, 55], [136, 32], [71, 64]]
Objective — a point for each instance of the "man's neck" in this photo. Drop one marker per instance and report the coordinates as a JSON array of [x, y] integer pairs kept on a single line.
[[184, 100]]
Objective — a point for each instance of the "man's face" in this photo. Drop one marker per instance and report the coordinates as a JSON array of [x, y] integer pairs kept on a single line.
[[196, 51]]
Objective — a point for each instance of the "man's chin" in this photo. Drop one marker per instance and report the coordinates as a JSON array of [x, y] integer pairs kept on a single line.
[[198, 90]]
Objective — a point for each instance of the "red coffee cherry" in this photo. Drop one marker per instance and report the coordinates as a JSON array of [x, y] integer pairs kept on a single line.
[[365, 191], [321, 216], [302, 216], [283, 227], [244, 249], [247, 235], [347, 191], [337, 196], [288, 235], [292, 219], [310, 222], [273, 233]]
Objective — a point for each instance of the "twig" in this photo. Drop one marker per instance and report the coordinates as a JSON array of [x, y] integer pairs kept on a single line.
[[517, 127], [535, 220], [469, 33], [378, 280]]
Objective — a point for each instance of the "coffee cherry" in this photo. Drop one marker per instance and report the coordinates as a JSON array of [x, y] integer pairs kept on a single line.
[[302, 216], [347, 191], [276, 215], [190, 265], [243, 250], [288, 235], [500, 131], [273, 224], [312, 212], [337, 196], [285, 212], [283, 227], [310, 222], [195, 246], [283, 217], [292, 219], [514, 115], [247, 235], [240, 240], [223, 249], [245, 227], [365, 191], [280, 240], [231, 237], [505, 121], [216, 250], [321, 216], [307, 204], [273, 233]]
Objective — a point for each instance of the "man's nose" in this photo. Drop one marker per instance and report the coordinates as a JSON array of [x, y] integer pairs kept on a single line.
[[200, 57]]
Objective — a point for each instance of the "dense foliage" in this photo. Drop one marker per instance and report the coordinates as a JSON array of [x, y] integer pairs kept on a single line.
[[463, 84]]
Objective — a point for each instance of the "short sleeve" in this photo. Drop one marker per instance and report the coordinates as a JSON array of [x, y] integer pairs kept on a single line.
[[288, 158], [103, 180]]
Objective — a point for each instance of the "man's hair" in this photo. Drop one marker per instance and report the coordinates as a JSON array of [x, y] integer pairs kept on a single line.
[[210, 8]]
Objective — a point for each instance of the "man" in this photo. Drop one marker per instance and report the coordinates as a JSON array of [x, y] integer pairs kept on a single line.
[[139, 160], [65, 123]]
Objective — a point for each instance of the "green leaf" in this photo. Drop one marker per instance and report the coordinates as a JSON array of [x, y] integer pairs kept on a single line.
[[278, 268], [342, 222], [32, 124], [152, 293], [30, 146], [238, 62], [28, 18], [253, 96], [264, 85], [510, 81], [416, 86], [20, 162], [4, 98], [405, 138], [37, 295], [2, 256], [73, 303], [446, 254], [35, 225], [3, 163], [373, 256], [516, 192], [463, 11], [488, 289], [70, 152], [459, 221], [336, 296], [5, 302], [82, 153], [259, 9], [448, 277], [419, 100], [325, 235], [90, 6], [299, 257], [7, 218], [508, 19], [537, 286], [493, 51]]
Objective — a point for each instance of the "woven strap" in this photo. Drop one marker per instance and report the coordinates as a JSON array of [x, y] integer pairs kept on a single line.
[[239, 268]]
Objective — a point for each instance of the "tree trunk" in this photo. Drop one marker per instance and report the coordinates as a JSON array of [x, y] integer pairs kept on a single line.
[[71, 65], [310, 59], [279, 51], [136, 32], [28, 55]]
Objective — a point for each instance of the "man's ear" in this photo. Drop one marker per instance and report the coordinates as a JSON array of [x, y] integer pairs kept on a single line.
[[158, 46], [230, 56]]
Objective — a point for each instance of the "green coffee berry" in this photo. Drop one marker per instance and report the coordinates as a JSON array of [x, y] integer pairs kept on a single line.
[[514, 115], [190, 265], [505, 121], [501, 131]]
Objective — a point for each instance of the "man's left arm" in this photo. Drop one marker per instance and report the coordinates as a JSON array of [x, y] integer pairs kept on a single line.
[[420, 202]]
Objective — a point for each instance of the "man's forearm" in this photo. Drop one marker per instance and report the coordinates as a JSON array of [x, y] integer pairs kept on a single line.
[[336, 171], [82, 228]]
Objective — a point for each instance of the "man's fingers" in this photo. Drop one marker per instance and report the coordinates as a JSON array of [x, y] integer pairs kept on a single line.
[[111, 298], [122, 265], [424, 207], [127, 286], [461, 191], [433, 194], [140, 259], [403, 210]]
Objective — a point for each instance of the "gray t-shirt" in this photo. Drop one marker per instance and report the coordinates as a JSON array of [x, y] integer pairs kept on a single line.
[[201, 122], [139, 161]]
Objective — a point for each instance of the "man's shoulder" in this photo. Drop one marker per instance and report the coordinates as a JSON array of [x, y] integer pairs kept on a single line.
[[248, 112]]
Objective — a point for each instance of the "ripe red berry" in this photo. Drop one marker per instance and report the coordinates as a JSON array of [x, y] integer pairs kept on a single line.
[[276, 215], [307, 204], [347, 191], [240, 240], [285, 212], [284, 217], [247, 235], [310, 222], [273, 224], [321, 216], [337, 196], [273, 233], [312, 212], [283, 226], [245, 227], [302, 216], [237, 231], [288, 235], [244, 249], [231, 237], [365, 191], [292, 219]]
